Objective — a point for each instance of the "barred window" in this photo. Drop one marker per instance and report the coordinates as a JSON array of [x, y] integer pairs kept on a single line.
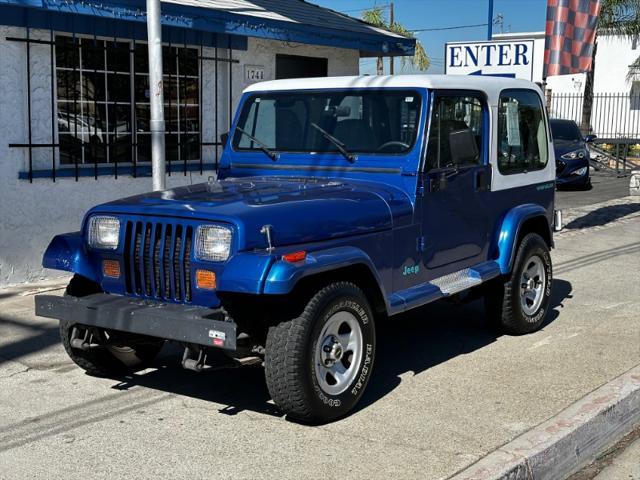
[[103, 101]]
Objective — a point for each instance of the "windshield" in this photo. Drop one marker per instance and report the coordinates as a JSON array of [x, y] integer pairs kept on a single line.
[[563, 130], [346, 122]]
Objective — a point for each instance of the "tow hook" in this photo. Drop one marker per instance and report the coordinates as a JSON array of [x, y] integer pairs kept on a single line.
[[83, 339], [194, 358]]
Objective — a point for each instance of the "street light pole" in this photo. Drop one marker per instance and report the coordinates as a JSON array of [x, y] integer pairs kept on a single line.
[[490, 21], [391, 22], [156, 95]]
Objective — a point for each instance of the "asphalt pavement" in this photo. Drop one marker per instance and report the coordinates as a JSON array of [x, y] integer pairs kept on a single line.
[[606, 186], [445, 392]]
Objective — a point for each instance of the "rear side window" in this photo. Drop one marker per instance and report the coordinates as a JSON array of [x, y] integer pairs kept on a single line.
[[522, 133]]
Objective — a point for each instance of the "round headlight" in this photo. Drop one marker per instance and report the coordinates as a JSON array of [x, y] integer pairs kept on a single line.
[[104, 232], [213, 243]]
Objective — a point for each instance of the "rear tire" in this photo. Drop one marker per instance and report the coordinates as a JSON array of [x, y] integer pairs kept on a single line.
[[317, 365], [518, 304], [123, 352]]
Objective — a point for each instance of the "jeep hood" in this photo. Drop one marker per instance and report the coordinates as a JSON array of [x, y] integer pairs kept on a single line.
[[300, 210]]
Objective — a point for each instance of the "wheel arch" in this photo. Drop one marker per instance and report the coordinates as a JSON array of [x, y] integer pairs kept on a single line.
[[519, 221], [359, 274], [327, 266]]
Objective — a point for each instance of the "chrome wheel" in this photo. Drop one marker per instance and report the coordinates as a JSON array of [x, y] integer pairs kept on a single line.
[[338, 353], [532, 285]]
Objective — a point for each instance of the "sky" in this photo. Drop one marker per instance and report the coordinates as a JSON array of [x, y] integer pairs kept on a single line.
[[519, 16]]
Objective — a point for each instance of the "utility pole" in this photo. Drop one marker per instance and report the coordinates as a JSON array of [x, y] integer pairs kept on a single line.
[[156, 95], [499, 20], [490, 21], [391, 59]]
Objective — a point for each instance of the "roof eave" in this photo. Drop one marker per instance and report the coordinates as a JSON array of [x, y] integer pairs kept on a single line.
[[217, 21]]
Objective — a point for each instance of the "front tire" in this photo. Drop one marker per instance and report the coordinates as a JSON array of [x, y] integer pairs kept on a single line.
[[518, 304], [121, 353], [318, 364]]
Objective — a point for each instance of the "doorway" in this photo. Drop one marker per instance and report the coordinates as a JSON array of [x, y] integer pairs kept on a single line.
[[298, 66]]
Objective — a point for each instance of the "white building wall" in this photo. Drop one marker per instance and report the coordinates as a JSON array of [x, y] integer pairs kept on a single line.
[[32, 214], [616, 109], [613, 57]]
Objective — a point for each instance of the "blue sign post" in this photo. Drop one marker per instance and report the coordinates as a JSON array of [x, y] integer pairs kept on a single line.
[[490, 21]]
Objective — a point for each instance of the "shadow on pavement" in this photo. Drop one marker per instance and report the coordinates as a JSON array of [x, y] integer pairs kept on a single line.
[[603, 215], [43, 337], [412, 342]]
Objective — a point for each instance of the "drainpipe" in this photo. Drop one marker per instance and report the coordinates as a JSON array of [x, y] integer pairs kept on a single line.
[[156, 95]]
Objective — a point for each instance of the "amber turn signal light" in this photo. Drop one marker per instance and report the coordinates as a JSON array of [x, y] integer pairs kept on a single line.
[[111, 268], [206, 280], [295, 257]]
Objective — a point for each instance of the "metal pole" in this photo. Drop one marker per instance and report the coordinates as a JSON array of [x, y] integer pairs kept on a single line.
[[391, 22], [156, 95], [490, 21]]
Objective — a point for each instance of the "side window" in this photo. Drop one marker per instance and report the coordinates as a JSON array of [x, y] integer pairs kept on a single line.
[[522, 133], [455, 135]]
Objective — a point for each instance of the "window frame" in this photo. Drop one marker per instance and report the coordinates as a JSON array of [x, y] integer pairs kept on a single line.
[[486, 128], [132, 103], [547, 131]]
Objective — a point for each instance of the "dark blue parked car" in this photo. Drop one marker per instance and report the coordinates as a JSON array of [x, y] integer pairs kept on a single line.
[[340, 202], [572, 154]]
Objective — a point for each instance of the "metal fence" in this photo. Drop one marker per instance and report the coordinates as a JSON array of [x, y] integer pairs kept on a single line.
[[613, 115]]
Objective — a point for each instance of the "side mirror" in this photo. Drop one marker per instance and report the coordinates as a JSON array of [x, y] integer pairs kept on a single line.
[[463, 147], [224, 138], [589, 138]]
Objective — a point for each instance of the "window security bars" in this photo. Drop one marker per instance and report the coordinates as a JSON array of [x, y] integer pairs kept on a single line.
[[100, 106]]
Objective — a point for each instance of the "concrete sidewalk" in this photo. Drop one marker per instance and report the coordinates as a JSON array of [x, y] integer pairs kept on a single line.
[[445, 392]]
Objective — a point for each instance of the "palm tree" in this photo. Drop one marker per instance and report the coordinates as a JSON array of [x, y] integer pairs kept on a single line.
[[376, 17], [617, 17]]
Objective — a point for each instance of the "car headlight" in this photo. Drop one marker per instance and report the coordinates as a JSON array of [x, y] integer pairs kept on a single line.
[[579, 172], [213, 243], [104, 232], [575, 154]]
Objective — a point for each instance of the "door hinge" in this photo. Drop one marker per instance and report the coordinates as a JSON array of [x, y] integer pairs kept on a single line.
[[420, 244]]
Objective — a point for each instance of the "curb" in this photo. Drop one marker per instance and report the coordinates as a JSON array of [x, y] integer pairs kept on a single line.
[[569, 441]]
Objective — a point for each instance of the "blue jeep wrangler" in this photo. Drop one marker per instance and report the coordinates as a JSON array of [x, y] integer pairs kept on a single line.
[[339, 202]]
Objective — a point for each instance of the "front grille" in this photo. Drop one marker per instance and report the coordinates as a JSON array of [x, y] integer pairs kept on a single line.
[[157, 259], [560, 166]]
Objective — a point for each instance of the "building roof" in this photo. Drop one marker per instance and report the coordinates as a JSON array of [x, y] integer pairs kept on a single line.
[[288, 16], [492, 86], [284, 20], [294, 11]]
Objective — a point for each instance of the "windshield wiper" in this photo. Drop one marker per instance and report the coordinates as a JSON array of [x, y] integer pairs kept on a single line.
[[339, 145], [263, 146]]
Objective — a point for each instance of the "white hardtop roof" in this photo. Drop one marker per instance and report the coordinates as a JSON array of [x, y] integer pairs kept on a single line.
[[492, 86]]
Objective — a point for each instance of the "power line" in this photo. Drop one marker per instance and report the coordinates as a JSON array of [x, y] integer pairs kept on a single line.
[[456, 27], [386, 5]]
